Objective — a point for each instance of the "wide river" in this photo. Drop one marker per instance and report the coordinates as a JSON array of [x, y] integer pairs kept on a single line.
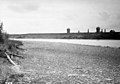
[[110, 43]]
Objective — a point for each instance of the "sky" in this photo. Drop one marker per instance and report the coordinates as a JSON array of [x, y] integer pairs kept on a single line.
[[55, 16]]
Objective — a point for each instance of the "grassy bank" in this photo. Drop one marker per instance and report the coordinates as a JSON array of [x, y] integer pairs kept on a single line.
[[5, 65], [61, 63]]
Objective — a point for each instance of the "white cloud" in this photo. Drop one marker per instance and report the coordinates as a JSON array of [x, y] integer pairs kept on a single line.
[[104, 16], [20, 16], [23, 8]]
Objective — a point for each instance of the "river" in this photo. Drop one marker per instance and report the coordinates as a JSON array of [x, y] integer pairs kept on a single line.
[[109, 43]]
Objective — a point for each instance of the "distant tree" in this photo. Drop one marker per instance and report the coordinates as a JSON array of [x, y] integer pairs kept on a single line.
[[98, 30], [112, 31], [88, 31], [1, 27], [3, 35], [101, 30], [104, 30], [78, 31]]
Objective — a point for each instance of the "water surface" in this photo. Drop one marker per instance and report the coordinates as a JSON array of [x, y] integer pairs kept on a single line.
[[110, 43]]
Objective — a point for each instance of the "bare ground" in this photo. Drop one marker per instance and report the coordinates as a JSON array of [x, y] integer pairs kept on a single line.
[[61, 63]]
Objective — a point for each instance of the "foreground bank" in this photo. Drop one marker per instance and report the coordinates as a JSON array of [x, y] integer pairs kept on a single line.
[[61, 63], [9, 51]]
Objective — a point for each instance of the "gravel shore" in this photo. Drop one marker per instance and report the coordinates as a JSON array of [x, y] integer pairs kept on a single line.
[[62, 63]]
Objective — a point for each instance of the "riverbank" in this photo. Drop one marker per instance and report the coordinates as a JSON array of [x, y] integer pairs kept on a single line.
[[81, 35], [5, 66], [53, 63]]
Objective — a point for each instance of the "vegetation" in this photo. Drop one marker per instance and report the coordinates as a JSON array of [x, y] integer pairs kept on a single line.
[[91, 35], [9, 51]]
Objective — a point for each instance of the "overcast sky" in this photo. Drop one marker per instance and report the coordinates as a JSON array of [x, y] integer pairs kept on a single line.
[[45, 16]]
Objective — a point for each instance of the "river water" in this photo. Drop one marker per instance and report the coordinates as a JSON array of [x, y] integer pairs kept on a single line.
[[109, 43]]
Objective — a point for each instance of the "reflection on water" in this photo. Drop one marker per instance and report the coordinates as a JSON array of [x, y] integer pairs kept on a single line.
[[110, 43]]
